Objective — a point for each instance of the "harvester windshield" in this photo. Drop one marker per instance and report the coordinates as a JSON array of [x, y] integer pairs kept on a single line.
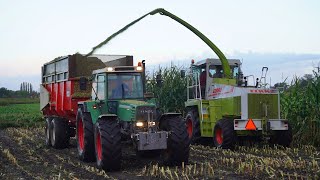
[[125, 86]]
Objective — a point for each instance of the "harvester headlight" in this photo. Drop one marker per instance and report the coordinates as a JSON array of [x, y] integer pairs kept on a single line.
[[139, 68], [139, 124], [109, 69]]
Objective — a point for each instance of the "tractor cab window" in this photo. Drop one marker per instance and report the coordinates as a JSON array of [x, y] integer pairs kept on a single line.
[[125, 86], [101, 90], [235, 71], [215, 71]]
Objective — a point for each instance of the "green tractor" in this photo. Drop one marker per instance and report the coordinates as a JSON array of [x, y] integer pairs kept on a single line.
[[121, 110], [223, 104]]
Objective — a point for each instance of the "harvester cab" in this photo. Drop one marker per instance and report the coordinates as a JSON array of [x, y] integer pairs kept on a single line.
[[120, 110], [232, 108]]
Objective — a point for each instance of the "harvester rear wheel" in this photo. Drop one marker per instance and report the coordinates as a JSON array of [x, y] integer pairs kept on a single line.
[[283, 138], [47, 131], [224, 135], [178, 142], [59, 133], [193, 126], [85, 137], [108, 145]]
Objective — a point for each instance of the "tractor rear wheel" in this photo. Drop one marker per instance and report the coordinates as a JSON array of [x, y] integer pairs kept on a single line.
[[178, 142], [193, 126], [283, 138], [48, 131], [85, 137], [59, 133], [108, 145], [224, 135]]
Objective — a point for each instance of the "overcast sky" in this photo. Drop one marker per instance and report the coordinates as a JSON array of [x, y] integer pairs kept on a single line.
[[284, 35]]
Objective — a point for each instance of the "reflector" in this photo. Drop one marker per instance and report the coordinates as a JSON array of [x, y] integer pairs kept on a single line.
[[250, 125]]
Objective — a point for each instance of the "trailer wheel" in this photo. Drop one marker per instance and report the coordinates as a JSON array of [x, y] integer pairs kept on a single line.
[[47, 131], [178, 142], [59, 133], [193, 126], [108, 145], [283, 138], [224, 135], [85, 136]]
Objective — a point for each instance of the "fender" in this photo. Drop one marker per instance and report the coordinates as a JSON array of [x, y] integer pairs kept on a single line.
[[163, 117], [108, 116]]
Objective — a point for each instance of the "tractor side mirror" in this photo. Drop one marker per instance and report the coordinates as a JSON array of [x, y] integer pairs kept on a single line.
[[83, 83], [182, 73], [159, 80]]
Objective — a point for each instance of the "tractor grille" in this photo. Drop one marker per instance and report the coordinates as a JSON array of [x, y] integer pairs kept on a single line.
[[146, 113], [257, 104]]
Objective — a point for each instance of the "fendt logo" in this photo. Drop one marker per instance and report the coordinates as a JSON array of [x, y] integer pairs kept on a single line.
[[262, 91]]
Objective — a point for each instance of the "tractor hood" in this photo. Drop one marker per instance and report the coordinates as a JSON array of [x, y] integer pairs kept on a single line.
[[132, 110]]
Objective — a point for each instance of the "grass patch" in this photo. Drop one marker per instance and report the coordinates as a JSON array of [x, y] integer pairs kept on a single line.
[[18, 115], [7, 101]]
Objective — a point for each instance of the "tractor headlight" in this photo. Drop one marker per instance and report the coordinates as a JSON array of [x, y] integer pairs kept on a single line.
[[139, 124], [151, 124]]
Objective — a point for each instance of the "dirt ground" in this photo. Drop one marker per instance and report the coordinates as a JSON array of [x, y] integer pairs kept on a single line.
[[24, 156]]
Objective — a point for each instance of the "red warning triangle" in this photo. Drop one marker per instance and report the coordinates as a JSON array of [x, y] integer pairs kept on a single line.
[[250, 125]]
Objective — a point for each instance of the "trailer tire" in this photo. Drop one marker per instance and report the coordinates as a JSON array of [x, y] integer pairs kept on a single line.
[[178, 142], [283, 138], [85, 136], [47, 131], [224, 135], [193, 126], [59, 133], [108, 145]]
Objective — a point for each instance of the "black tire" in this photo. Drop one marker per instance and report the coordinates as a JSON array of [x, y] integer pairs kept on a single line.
[[59, 133], [283, 138], [224, 135], [193, 126], [85, 136], [178, 142], [108, 144], [47, 131]]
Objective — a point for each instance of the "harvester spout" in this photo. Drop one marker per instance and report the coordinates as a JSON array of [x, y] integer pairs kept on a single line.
[[216, 50]]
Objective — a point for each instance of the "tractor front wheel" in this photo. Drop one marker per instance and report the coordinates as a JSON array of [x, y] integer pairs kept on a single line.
[[108, 145], [224, 135], [59, 133], [84, 134], [193, 126], [178, 142]]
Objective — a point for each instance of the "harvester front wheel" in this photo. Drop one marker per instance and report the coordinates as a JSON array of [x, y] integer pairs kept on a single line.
[[108, 145], [178, 142], [47, 131], [85, 141], [193, 126], [224, 135], [59, 133], [283, 138]]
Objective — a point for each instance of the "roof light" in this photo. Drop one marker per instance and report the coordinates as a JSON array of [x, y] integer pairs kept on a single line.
[[139, 68], [109, 69], [192, 61], [139, 64]]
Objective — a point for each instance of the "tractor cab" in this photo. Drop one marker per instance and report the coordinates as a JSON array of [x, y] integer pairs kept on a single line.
[[206, 73]]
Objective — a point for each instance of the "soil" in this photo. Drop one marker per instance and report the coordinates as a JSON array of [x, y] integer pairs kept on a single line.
[[23, 155]]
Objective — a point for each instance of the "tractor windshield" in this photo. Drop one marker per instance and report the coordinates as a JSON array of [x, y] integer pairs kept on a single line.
[[125, 86]]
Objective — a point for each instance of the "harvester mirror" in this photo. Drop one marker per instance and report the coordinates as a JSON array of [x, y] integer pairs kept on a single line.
[[148, 95], [183, 73], [159, 80], [83, 83]]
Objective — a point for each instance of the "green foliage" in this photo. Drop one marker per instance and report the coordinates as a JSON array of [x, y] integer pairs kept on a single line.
[[7, 101], [301, 105], [172, 93], [20, 115]]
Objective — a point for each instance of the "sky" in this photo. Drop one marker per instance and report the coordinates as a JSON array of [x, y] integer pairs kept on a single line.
[[283, 35]]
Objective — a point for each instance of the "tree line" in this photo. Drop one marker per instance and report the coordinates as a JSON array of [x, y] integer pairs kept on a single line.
[[26, 91]]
